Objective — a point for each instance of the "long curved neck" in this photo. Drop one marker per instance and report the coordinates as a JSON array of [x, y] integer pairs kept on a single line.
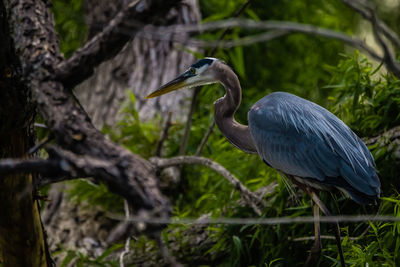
[[224, 112]]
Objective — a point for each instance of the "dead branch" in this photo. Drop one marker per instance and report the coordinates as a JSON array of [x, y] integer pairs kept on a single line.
[[205, 138], [389, 139], [251, 199], [164, 134], [86, 150], [263, 221], [367, 11], [128, 239], [188, 125], [328, 237], [380, 29], [48, 167], [168, 258], [110, 41], [284, 27]]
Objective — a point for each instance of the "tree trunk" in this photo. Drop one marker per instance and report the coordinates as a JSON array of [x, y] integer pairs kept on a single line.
[[21, 236], [141, 67]]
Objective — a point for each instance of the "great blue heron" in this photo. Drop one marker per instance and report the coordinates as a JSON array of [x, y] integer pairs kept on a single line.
[[299, 138]]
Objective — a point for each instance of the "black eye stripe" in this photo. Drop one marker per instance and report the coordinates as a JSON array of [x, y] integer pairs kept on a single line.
[[202, 62]]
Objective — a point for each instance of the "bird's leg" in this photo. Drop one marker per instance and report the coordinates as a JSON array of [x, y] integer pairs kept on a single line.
[[325, 210], [315, 251]]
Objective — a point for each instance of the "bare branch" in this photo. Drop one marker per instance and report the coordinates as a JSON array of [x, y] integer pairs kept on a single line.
[[389, 139], [328, 237], [89, 153], [164, 134], [368, 11], [170, 33], [185, 138], [128, 239], [49, 167], [250, 198], [39, 145], [205, 138], [110, 41], [262, 221], [365, 8], [168, 258], [250, 40]]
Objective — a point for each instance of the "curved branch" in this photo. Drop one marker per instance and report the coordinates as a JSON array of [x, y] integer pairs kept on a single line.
[[128, 174], [278, 28], [110, 41], [249, 197], [367, 12], [389, 139], [171, 33]]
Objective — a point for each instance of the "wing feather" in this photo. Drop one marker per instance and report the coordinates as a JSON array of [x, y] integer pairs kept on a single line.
[[303, 139]]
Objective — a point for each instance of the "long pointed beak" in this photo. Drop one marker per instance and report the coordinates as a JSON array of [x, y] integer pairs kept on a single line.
[[173, 85]]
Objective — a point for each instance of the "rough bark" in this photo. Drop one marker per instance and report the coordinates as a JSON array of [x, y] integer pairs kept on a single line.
[[21, 237], [140, 67], [75, 227], [20, 226], [29, 79]]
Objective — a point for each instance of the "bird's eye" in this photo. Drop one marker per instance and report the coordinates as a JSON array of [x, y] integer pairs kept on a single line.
[[192, 71]]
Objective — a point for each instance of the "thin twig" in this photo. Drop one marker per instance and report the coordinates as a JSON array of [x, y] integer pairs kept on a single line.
[[164, 134], [169, 259], [110, 41], [237, 14], [128, 239], [185, 138], [249, 197], [364, 8], [205, 138], [329, 237], [368, 11], [42, 143], [258, 220], [169, 33], [40, 125]]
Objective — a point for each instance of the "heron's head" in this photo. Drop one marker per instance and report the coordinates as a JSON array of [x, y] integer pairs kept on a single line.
[[200, 73]]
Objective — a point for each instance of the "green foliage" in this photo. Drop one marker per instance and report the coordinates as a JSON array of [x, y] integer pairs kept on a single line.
[[380, 245], [88, 194], [292, 63], [140, 138], [367, 102], [70, 24], [204, 191], [79, 259], [361, 94]]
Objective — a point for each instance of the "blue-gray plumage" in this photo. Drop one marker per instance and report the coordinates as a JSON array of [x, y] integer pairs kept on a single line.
[[301, 138], [293, 135]]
